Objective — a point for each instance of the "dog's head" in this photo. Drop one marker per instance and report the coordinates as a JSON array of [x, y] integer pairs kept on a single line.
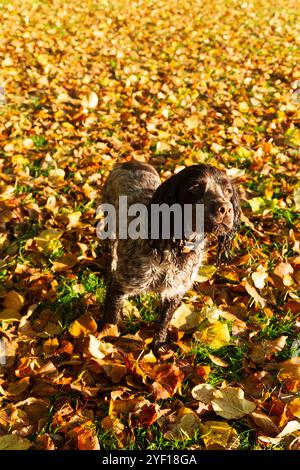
[[207, 185]]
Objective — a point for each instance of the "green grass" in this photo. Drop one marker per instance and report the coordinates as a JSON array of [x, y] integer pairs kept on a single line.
[[69, 303], [39, 141], [147, 439], [232, 354], [277, 325]]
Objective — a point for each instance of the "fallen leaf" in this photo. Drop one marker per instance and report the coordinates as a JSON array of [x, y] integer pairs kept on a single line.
[[14, 301], [289, 369], [265, 423], [205, 273], [259, 277], [254, 294], [294, 407], [219, 435], [229, 402], [13, 442], [186, 424], [203, 392], [90, 101], [291, 428], [215, 335], [84, 325], [88, 440], [185, 318]]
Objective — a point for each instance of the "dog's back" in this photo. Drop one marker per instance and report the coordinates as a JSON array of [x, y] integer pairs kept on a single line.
[[136, 180]]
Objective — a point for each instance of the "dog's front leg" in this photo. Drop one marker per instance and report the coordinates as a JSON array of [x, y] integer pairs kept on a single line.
[[112, 304], [168, 307]]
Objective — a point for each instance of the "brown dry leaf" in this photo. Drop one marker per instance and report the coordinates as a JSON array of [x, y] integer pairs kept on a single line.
[[26, 367], [229, 402], [284, 271], [254, 294], [265, 423], [13, 301], [291, 428], [215, 335], [116, 371], [84, 325], [13, 442], [16, 388], [203, 392], [289, 369], [88, 440], [148, 414], [44, 442], [266, 349], [9, 315], [218, 435], [168, 378], [112, 423], [186, 424], [294, 407], [64, 263]]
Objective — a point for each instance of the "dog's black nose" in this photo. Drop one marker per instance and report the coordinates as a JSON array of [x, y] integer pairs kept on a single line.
[[224, 208]]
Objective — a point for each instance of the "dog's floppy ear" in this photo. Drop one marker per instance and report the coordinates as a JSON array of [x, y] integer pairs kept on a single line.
[[225, 241], [167, 192], [237, 211]]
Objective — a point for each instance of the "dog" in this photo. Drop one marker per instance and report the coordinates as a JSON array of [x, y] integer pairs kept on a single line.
[[167, 266]]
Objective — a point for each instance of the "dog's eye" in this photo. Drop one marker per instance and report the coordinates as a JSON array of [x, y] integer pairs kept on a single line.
[[197, 188], [228, 191]]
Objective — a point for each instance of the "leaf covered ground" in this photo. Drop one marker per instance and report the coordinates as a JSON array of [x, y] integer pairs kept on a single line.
[[85, 84]]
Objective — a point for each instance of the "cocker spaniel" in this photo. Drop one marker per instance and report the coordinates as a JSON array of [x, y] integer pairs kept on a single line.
[[166, 265]]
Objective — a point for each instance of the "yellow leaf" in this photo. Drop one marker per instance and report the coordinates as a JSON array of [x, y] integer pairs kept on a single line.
[[289, 369], [218, 361], [229, 402], [13, 442], [56, 175], [10, 315], [48, 240], [216, 147], [217, 434], [294, 407], [243, 107], [150, 358], [64, 263], [215, 335], [192, 122], [73, 219], [205, 273], [82, 326], [185, 318]]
